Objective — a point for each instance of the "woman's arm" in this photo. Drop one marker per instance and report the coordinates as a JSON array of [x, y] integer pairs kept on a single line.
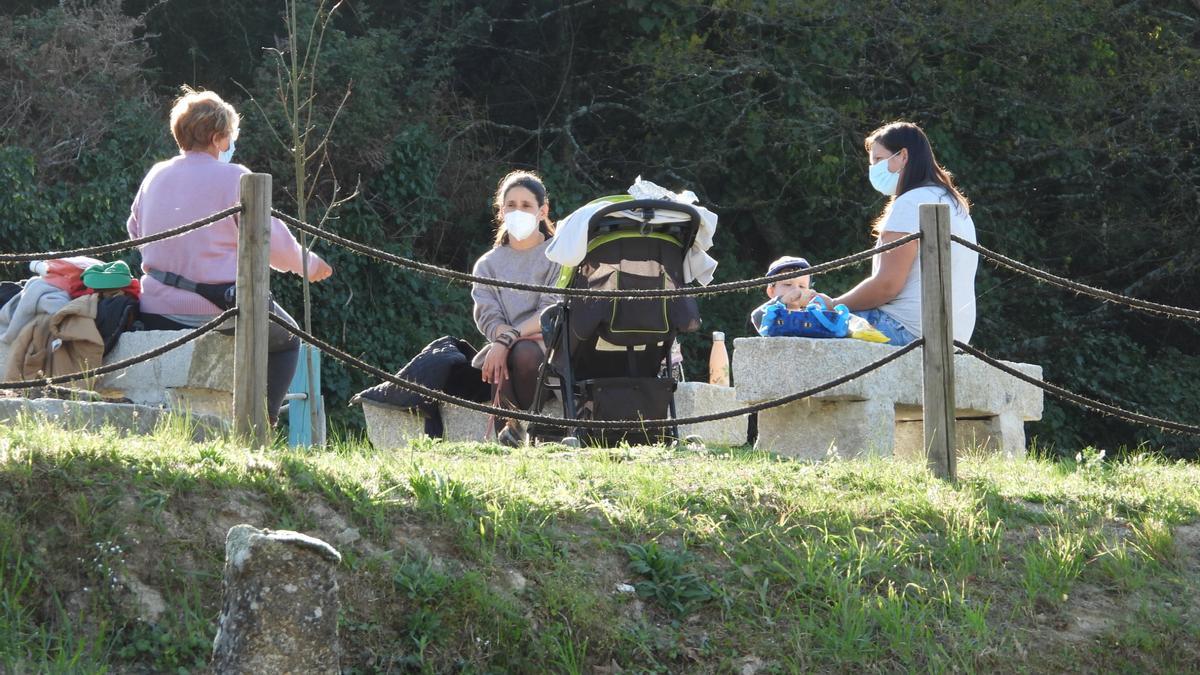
[[495, 365], [286, 255], [533, 325], [133, 226], [884, 285], [487, 311]]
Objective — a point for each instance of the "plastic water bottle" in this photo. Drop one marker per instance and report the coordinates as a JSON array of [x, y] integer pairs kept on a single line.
[[718, 361]]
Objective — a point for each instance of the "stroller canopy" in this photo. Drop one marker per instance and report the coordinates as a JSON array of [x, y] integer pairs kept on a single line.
[[570, 243]]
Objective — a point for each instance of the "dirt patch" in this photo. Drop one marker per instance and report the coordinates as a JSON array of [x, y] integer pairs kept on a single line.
[[1089, 613], [1019, 537], [238, 507], [336, 530], [1187, 542], [426, 543]]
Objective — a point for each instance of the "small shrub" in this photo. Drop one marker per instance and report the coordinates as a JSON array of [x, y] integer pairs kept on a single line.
[[666, 578]]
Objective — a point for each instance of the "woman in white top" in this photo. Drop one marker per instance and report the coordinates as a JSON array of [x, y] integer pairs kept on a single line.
[[902, 166]]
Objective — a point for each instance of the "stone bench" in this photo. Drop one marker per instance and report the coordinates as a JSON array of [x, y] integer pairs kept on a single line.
[[879, 413], [693, 399], [391, 428], [196, 378]]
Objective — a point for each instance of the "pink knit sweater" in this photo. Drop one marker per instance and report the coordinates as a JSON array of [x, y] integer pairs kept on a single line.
[[183, 189]]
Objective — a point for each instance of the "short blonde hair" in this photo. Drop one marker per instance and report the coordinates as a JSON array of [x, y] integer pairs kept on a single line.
[[198, 116]]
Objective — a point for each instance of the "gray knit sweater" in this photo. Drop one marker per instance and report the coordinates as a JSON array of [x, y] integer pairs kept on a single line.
[[494, 306]]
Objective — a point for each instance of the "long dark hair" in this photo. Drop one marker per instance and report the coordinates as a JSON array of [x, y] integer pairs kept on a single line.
[[921, 169], [530, 181]]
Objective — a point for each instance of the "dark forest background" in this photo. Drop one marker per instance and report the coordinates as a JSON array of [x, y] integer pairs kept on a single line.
[[1072, 127]]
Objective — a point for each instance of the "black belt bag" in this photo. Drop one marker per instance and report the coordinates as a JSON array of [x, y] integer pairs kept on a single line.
[[221, 295]]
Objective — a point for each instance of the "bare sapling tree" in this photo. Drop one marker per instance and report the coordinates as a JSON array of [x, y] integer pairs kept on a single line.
[[304, 135]]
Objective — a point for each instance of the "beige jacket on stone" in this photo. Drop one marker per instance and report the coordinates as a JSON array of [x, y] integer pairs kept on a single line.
[[58, 344]]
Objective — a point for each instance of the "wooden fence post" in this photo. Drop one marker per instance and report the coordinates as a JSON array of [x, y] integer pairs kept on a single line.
[[937, 327], [251, 420]]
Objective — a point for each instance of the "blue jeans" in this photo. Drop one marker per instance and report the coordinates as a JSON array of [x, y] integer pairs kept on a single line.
[[897, 334]]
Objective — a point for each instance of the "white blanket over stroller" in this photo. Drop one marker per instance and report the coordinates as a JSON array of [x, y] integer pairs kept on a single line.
[[569, 245]]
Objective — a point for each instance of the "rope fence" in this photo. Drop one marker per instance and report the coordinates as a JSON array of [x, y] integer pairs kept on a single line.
[[562, 422], [125, 363], [1061, 282], [1082, 401], [120, 245], [711, 289]]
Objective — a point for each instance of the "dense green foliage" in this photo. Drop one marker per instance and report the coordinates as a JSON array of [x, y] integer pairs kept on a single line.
[[1071, 126]]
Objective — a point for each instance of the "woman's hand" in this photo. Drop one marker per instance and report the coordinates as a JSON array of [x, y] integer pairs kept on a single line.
[[322, 271], [829, 304], [495, 364]]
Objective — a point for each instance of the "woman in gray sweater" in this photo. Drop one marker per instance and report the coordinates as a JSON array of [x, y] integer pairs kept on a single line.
[[510, 319]]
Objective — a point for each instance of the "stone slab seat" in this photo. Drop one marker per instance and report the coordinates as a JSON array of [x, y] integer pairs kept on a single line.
[[196, 378], [129, 418], [879, 413], [390, 428], [693, 399]]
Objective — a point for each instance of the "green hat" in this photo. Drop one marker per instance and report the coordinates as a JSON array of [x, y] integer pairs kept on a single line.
[[104, 277]]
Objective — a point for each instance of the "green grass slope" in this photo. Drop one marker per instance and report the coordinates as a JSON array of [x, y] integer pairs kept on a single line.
[[474, 558]]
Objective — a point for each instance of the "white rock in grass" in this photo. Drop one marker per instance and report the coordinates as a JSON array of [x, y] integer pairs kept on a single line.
[[751, 665], [150, 602], [516, 581], [347, 536]]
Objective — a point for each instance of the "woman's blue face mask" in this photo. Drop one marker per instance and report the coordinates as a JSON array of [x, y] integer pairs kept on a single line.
[[883, 180], [227, 155]]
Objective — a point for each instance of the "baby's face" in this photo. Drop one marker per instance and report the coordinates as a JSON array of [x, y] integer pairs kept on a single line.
[[790, 291]]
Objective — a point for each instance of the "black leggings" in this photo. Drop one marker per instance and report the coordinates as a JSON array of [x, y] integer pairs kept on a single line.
[[524, 360], [283, 352]]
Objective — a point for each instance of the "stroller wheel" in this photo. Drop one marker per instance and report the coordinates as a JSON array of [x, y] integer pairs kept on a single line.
[[570, 441]]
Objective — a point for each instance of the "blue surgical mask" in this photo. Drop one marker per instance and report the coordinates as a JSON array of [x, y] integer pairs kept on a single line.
[[883, 180], [227, 155]]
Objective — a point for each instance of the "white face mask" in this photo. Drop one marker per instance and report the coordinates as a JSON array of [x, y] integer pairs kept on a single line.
[[882, 179], [520, 224]]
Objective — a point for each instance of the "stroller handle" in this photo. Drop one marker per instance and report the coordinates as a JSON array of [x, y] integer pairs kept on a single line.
[[648, 207]]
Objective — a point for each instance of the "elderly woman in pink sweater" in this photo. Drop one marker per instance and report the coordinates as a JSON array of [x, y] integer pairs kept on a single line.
[[185, 277]]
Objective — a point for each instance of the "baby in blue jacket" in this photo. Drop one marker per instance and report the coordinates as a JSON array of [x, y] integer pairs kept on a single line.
[[795, 293]]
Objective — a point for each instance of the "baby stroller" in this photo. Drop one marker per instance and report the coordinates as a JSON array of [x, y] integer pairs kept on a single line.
[[605, 356]]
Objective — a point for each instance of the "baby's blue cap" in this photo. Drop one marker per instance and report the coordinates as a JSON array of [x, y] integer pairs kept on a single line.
[[786, 264]]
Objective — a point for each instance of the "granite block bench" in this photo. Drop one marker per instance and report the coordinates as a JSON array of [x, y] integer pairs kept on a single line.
[[391, 428], [196, 378], [879, 413], [693, 399]]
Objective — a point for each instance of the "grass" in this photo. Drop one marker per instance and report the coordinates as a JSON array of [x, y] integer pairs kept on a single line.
[[474, 558]]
